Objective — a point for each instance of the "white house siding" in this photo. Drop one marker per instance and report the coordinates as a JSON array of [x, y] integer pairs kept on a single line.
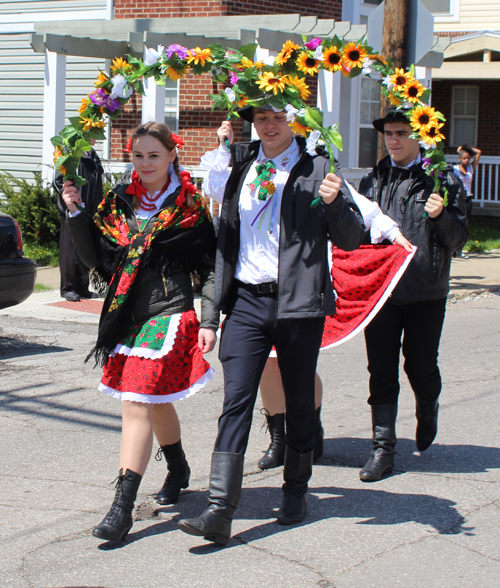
[[26, 7], [22, 79], [473, 15]]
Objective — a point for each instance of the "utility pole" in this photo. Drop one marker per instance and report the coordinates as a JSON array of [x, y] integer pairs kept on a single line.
[[393, 46]]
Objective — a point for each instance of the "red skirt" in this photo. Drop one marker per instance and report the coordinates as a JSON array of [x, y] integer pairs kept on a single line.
[[157, 361], [363, 280]]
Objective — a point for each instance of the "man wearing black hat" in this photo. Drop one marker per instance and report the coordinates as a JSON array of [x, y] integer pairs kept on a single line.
[[416, 309], [273, 284]]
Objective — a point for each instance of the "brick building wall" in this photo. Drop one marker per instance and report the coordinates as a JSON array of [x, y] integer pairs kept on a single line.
[[488, 117], [197, 124]]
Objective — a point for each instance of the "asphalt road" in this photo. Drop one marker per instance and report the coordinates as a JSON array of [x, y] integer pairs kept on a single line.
[[434, 524]]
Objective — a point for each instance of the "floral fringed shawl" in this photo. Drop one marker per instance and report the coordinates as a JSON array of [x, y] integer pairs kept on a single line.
[[180, 231]]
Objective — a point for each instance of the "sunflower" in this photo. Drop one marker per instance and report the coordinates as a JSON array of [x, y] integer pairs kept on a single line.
[[300, 84], [119, 64], [88, 123], [422, 118], [199, 56], [299, 129], [174, 74], [246, 63], [101, 78], [332, 59], [401, 80], [413, 92], [286, 52], [84, 105], [432, 135], [270, 82], [394, 100], [353, 55], [307, 64]]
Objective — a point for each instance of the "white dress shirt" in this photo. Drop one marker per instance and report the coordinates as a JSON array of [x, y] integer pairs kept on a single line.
[[259, 243]]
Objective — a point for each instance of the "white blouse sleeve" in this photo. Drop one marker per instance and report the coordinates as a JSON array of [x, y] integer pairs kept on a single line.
[[381, 226], [216, 162]]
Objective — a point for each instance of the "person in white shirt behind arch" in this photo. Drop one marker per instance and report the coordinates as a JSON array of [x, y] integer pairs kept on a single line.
[[468, 160]]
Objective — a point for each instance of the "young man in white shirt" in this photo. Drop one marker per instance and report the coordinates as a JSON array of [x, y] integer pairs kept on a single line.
[[273, 284]]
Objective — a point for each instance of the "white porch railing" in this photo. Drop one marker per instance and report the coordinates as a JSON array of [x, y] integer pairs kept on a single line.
[[486, 180]]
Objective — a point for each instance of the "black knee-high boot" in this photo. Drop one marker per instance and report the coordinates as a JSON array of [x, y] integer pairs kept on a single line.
[[118, 522], [318, 436], [214, 523], [296, 474], [178, 473], [275, 454], [427, 423], [381, 459]]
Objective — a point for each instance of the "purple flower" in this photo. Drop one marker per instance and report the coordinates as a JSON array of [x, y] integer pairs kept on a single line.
[[426, 162], [99, 97], [175, 48], [233, 79], [113, 105], [314, 44]]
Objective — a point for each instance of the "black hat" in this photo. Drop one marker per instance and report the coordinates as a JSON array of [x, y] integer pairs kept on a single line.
[[246, 113], [393, 114]]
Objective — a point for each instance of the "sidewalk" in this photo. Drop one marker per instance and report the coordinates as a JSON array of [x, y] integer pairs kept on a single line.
[[469, 277]]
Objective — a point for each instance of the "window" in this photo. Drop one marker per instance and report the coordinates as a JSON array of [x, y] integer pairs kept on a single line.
[[171, 104], [464, 115], [443, 10], [369, 111], [372, 2]]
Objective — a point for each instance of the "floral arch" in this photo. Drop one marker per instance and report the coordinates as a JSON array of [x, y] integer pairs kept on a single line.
[[279, 81]]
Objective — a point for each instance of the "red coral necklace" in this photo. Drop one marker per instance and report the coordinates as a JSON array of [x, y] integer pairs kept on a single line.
[[146, 201]]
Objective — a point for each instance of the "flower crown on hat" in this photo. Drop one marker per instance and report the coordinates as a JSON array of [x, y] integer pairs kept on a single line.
[[279, 81]]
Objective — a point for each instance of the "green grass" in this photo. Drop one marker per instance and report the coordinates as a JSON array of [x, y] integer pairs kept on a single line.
[[482, 238], [43, 254], [42, 288]]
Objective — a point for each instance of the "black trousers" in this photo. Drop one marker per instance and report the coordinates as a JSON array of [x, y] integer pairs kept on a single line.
[[74, 278], [248, 334], [420, 324]]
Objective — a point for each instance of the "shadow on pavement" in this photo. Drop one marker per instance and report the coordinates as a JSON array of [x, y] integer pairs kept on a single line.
[[371, 506], [44, 406], [13, 347], [439, 458]]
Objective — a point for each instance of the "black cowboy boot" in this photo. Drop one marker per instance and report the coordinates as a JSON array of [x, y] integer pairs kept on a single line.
[[318, 436], [118, 522], [381, 460], [214, 523], [275, 454], [427, 423], [178, 473], [296, 474]]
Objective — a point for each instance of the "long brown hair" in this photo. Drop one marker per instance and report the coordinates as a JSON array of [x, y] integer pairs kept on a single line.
[[163, 133]]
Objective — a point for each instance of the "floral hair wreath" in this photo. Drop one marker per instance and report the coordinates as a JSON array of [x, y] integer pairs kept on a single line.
[[279, 81]]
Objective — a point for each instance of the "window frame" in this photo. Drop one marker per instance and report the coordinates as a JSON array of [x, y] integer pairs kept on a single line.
[[454, 117]]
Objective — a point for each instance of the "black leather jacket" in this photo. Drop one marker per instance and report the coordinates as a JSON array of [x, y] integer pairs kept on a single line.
[[401, 194], [155, 292], [304, 285]]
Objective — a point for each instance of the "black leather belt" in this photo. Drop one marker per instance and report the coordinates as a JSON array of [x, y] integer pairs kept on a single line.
[[266, 288]]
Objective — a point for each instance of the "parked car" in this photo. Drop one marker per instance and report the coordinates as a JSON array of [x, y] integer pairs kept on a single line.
[[17, 273]]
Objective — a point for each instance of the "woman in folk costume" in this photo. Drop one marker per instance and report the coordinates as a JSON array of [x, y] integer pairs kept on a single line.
[[145, 240], [363, 279]]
